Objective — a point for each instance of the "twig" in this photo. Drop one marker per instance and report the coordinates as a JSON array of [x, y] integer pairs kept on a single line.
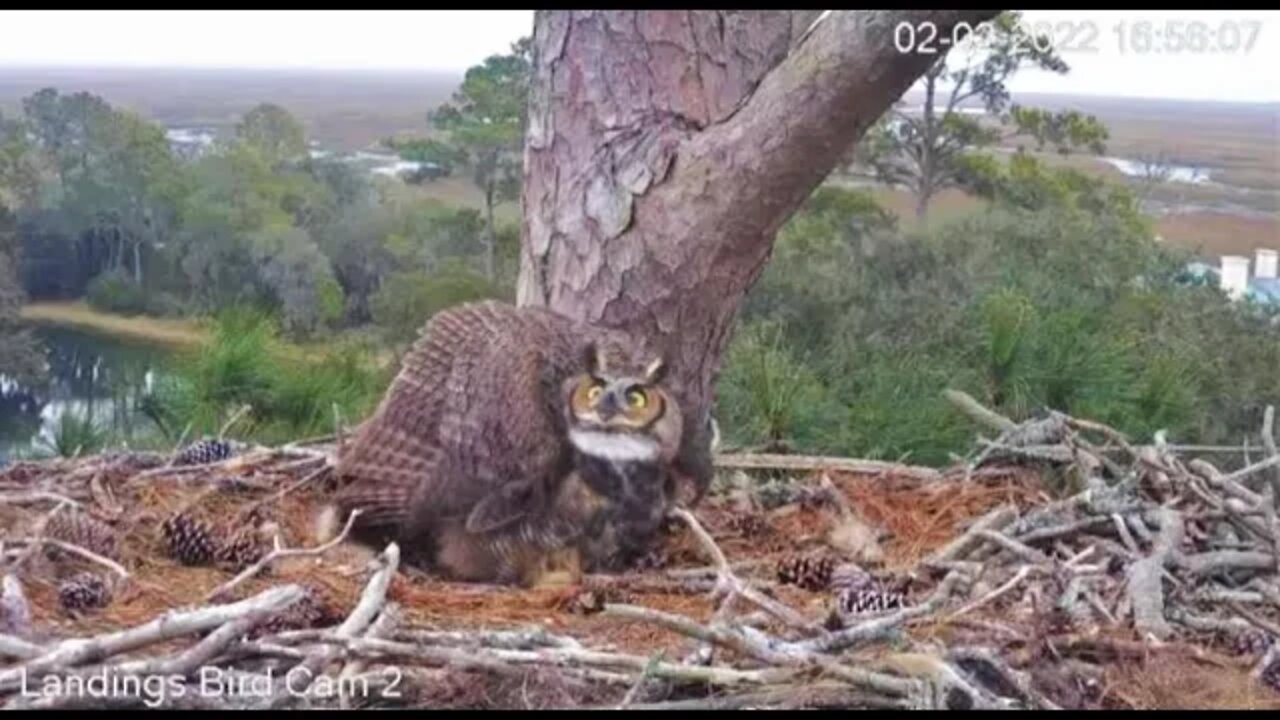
[[15, 647], [182, 438], [181, 664], [634, 692], [38, 541], [35, 497], [15, 609], [1144, 578], [371, 601], [1260, 622], [956, 549], [383, 627], [69, 653], [1029, 554], [821, 694], [235, 418], [763, 461], [1013, 679], [734, 584], [1259, 466], [1269, 442], [1057, 531], [278, 552], [1013, 582], [114, 566], [1122, 529], [506, 661], [977, 412], [1210, 562], [879, 627]]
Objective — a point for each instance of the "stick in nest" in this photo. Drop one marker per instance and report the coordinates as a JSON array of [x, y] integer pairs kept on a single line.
[[383, 628], [371, 602], [279, 552], [70, 653], [112, 565], [181, 664], [733, 584], [1013, 582], [1144, 578]]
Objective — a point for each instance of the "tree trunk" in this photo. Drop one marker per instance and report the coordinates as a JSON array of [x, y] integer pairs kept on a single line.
[[924, 193], [137, 263], [665, 149], [489, 235]]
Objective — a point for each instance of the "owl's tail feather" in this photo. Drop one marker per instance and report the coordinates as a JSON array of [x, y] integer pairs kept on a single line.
[[383, 502]]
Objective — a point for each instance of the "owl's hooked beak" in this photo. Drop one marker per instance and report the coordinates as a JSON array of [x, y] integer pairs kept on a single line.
[[609, 406]]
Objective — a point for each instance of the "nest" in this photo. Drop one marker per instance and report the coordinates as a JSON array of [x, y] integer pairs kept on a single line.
[[1151, 582]]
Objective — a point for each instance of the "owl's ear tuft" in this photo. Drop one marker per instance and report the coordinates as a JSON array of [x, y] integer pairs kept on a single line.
[[656, 371], [593, 359]]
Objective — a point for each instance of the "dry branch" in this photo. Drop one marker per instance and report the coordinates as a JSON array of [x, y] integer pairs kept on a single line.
[[808, 463], [70, 653], [279, 552], [371, 602]]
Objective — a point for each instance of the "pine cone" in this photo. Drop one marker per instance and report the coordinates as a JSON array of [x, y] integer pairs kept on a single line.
[[242, 550], [83, 591], [80, 529], [1271, 676], [870, 600], [308, 612], [749, 525], [808, 573], [1252, 642], [190, 541], [203, 452]]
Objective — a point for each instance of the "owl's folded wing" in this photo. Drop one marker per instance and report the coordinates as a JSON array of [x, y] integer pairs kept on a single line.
[[400, 445]]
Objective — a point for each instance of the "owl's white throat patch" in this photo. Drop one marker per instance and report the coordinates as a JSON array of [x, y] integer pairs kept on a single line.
[[614, 447]]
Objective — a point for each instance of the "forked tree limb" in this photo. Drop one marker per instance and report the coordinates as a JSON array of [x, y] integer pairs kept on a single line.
[[666, 148], [279, 552]]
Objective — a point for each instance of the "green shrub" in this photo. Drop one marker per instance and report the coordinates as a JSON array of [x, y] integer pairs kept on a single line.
[[770, 398], [75, 435], [408, 299], [114, 291], [1055, 296], [291, 392]]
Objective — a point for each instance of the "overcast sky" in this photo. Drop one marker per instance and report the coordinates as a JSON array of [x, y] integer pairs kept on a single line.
[[455, 40]]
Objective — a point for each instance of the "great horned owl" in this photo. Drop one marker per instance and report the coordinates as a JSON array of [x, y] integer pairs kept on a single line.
[[515, 440]]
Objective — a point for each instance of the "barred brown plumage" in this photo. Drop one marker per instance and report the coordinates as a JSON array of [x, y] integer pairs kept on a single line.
[[83, 591], [503, 420], [79, 528], [188, 540]]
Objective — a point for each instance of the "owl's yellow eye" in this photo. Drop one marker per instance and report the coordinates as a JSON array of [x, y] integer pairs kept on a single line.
[[593, 393], [637, 399]]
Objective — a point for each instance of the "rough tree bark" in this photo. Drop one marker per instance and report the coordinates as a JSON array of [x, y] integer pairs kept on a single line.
[[665, 149]]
